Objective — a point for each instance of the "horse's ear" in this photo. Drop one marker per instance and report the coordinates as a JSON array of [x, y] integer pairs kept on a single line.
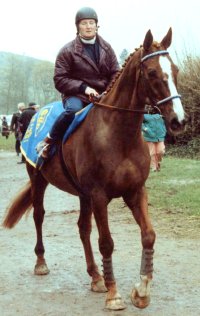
[[166, 42], [148, 40]]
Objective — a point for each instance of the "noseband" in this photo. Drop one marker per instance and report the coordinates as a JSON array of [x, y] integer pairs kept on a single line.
[[150, 109]]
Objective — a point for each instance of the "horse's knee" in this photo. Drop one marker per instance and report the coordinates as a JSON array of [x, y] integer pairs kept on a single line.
[[148, 239], [106, 247]]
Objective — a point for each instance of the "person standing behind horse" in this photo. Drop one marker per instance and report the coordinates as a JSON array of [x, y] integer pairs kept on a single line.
[[26, 117], [5, 129], [83, 67], [14, 126], [154, 132], [24, 121]]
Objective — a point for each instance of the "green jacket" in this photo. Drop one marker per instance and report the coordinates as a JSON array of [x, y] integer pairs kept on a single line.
[[153, 128]]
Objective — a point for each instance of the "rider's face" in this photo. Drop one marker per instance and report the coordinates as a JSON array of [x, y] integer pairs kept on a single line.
[[87, 28]]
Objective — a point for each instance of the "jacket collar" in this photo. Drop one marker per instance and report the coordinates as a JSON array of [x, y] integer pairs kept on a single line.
[[79, 46], [102, 51]]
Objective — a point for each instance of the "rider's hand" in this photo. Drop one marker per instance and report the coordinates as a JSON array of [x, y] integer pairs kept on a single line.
[[90, 91]]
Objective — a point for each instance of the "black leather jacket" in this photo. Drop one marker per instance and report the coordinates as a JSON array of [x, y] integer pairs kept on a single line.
[[74, 68]]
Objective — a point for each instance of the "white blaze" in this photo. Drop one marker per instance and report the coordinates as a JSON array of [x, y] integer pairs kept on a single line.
[[177, 105]]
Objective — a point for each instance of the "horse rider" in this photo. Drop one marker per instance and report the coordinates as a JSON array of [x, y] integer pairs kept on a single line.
[[84, 66]]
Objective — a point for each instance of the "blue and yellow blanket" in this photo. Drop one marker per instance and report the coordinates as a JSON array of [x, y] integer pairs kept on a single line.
[[40, 125]]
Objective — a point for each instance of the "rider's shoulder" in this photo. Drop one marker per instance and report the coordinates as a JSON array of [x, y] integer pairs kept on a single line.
[[68, 47]]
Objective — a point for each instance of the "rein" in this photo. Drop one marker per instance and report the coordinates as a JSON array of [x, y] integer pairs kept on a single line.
[[112, 107], [150, 108], [93, 99]]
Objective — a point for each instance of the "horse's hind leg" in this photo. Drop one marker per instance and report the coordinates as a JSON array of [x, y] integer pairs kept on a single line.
[[85, 228], [39, 185], [139, 206]]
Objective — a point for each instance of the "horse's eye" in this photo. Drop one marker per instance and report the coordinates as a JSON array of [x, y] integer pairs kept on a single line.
[[152, 74]]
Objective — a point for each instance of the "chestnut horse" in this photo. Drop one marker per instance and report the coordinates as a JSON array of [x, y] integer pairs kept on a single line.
[[107, 158]]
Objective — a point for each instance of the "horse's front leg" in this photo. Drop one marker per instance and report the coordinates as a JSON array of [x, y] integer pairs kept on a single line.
[[39, 185], [85, 228], [106, 246], [138, 204]]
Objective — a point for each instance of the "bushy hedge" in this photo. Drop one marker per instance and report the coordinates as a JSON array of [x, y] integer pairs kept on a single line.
[[188, 144], [189, 88], [191, 149]]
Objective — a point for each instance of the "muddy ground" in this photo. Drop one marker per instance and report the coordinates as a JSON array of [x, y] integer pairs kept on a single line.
[[66, 290]]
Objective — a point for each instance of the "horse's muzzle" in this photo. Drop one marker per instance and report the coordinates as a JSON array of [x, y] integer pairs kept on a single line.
[[175, 127]]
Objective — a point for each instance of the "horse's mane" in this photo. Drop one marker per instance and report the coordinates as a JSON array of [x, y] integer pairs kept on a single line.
[[119, 73]]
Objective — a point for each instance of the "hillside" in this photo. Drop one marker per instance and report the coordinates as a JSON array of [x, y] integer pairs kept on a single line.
[[24, 79]]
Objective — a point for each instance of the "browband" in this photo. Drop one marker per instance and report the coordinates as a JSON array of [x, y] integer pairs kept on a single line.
[[160, 52]]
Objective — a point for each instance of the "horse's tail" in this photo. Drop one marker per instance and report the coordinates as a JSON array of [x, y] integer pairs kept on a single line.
[[21, 204]]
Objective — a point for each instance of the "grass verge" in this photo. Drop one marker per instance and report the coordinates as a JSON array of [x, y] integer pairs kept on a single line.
[[176, 187]]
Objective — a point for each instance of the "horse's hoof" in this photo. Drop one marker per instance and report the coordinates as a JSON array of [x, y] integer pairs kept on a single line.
[[99, 286], [41, 269], [140, 302], [115, 303]]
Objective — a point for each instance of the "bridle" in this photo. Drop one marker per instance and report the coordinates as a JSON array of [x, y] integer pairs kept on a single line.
[[146, 82], [149, 109]]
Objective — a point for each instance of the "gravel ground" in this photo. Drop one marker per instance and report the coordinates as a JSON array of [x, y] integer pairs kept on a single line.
[[66, 290]]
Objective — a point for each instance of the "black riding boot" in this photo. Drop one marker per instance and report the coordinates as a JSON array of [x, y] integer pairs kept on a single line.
[[57, 132], [60, 126]]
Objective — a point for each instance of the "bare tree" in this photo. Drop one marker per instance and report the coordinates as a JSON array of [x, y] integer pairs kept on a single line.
[[43, 85], [123, 56]]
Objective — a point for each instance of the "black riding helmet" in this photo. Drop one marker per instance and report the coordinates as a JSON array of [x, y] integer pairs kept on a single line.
[[85, 13]]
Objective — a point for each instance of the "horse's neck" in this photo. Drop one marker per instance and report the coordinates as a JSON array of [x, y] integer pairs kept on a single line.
[[120, 127], [123, 92], [124, 95]]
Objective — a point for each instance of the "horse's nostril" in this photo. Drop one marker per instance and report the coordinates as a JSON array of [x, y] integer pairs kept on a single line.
[[175, 124]]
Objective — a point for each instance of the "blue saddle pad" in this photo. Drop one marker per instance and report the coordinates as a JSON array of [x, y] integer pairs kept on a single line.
[[40, 125]]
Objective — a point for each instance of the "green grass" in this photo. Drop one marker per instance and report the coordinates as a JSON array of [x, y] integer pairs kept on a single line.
[[7, 144], [176, 187]]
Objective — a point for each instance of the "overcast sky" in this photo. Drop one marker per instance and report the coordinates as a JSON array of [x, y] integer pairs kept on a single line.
[[40, 28]]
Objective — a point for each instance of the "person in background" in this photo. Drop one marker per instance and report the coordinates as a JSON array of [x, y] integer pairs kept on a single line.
[[15, 128], [84, 67], [37, 107], [154, 133], [24, 121], [5, 129], [26, 117]]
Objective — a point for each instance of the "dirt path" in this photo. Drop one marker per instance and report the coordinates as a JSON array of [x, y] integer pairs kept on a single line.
[[66, 290]]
